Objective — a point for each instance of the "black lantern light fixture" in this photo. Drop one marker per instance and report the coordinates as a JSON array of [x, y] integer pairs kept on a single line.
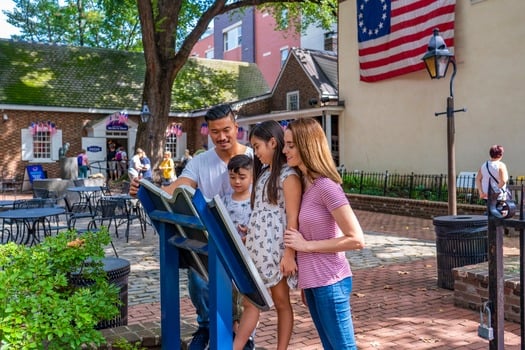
[[145, 114], [437, 59]]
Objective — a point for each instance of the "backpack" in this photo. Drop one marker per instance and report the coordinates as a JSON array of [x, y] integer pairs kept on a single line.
[[118, 156], [80, 160]]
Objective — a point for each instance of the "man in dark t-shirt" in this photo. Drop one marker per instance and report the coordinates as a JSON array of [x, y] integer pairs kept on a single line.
[[112, 162]]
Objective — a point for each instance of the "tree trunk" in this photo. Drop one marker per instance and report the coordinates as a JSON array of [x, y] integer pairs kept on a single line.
[[163, 62], [160, 68], [149, 135]]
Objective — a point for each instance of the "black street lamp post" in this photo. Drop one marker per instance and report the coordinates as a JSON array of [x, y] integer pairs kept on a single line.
[[436, 61]]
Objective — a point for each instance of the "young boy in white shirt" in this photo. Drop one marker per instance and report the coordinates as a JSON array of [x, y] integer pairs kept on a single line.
[[238, 204]]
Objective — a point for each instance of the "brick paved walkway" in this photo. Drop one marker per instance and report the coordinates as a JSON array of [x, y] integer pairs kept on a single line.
[[396, 302]]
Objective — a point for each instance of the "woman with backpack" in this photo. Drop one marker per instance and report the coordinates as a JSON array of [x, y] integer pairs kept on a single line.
[[83, 164], [122, 161]]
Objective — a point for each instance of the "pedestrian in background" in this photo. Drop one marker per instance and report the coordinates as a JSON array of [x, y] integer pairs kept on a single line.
[[135, 166], [122, 161], [112, 162], [493, 172], [167, 166], [145, 167], [183, 161], [328, 228], [83, 164]]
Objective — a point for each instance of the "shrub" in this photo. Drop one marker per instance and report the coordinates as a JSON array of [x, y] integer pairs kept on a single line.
[[39, 308]]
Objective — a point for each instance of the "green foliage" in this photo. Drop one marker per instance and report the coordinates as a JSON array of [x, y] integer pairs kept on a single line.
[[115, 24], [352, 182], [197, 86], [321, 13], [413, 186], [40, 308], [104, 23], [123, 344]]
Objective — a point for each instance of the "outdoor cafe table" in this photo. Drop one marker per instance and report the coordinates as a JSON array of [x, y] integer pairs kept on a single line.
[[6, 204], [31, 217], [86, 193]]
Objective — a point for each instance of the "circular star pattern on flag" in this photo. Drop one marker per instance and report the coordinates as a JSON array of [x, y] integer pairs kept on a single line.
[[372, 22]]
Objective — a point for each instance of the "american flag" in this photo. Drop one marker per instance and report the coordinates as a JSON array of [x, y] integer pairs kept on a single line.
[[393, 35]]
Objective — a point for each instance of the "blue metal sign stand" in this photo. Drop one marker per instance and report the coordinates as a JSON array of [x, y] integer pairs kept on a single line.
[[197, 234]]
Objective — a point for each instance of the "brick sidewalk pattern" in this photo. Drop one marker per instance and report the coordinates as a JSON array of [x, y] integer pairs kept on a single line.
[[395, 301]]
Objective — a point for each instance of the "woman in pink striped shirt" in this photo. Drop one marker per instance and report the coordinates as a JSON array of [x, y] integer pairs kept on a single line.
[[327, 228]]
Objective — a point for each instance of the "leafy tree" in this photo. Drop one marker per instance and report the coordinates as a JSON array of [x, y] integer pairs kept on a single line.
[[170, 29], [197, 87], [94, 23]]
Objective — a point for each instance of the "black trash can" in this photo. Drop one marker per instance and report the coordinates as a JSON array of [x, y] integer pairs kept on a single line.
[[117, 271], [460, 240]]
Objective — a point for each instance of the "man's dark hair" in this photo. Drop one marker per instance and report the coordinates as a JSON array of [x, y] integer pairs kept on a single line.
[[219, 112], [240, 161]]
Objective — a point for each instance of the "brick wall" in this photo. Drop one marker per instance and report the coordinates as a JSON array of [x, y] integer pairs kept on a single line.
[[409, 207], [293, 79], [471, 287], [261, 106], [73, 126]]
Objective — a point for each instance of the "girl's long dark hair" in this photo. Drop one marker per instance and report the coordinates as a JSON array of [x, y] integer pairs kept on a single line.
[[265, 131]]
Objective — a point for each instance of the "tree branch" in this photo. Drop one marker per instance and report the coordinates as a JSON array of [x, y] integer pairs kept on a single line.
[[202, 24], [245, 3]]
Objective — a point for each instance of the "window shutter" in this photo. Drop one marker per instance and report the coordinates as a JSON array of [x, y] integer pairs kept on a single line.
[[56, 143], [27, 145], [181, 145]]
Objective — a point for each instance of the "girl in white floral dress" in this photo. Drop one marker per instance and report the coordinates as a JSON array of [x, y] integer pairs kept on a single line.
[[276, 198]]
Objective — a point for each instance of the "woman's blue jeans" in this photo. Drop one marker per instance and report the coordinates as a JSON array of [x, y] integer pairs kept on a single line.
[[332, 315]]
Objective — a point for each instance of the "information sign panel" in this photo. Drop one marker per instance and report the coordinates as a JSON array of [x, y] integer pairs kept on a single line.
[[35, 172]]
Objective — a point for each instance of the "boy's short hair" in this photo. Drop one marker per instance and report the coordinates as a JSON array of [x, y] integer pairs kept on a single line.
[[240, 161]]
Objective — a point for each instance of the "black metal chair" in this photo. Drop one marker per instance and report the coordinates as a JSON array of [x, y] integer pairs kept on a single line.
[[111, 211], [107, 211], [76, 211], [11, 184], [106, 191], [40, 193]]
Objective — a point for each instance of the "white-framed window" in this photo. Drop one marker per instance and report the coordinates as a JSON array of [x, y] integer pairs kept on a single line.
[[284, 55], [292, 101], [171, 144], [209, 53], [232, 36], [176, 145], [40, 146]]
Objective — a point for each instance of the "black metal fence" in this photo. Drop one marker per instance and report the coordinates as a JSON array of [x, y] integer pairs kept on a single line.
[[414, 186]]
